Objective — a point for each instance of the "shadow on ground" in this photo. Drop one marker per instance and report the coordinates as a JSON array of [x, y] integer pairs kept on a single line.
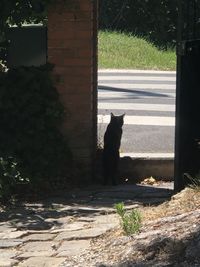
[[91, 201], [164, 252], [132, 94]]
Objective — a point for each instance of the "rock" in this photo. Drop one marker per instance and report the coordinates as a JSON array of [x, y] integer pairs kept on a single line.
[[12, 235], [42, 262], [72, 248], [7, 262], [193, 250], [85, 233], [7, 243], [38, 248], [7, 254], [71, 227], [39, 237]]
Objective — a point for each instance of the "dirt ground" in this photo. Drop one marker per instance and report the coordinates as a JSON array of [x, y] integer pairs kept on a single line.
[[170, 236]]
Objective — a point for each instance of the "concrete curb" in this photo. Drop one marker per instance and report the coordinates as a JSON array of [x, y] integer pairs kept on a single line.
[[136, 71], [137, 169]]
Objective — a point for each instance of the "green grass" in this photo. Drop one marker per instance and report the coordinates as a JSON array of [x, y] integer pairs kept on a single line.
[[125, 51]]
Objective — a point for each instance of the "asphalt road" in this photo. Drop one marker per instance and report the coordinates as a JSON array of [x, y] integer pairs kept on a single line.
[[148, 99]]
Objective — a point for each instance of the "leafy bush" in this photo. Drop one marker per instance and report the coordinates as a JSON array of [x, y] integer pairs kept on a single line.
[[32, 147], [131, 222], [17, 12], [152, 19], [9, 176]]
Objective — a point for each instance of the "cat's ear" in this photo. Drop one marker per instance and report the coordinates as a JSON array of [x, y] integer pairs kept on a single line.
[[123, 115], [112, 115]]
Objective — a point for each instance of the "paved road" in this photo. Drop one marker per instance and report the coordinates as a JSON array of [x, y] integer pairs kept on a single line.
[[148, 99]]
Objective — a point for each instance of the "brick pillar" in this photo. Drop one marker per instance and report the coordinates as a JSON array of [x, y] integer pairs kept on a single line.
[[72, 28]]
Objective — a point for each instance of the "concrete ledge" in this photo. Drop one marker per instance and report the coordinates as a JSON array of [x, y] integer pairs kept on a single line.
[[137, 169], [148, 155]]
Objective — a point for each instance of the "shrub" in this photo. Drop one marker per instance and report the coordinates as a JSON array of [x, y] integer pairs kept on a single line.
[[32, 147], [152, 19], [131, 222]]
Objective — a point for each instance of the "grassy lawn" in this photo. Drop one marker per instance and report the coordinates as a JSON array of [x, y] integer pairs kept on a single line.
[[123, 51]]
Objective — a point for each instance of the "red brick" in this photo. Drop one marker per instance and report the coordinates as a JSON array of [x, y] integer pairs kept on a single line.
[[74, 16], [60, 6], [75, 71], [55, 60], [77, 44], [84, 25], [70, 47], [85, 53], [83, 16], [85, 5], [76, 81], [61, 34], [55, 18], [84, 35], [87, 62], [75, 99]]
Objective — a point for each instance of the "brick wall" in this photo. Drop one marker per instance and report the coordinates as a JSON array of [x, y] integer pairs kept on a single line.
[[72, 39]]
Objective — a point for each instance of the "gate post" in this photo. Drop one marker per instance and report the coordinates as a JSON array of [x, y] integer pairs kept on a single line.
[[187, 134], [72, 48]]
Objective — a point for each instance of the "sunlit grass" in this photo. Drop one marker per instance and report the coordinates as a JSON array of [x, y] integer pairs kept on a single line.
[[120, 50]]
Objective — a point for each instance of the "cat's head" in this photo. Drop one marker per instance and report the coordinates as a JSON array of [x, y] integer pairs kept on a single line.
[[117, 120]]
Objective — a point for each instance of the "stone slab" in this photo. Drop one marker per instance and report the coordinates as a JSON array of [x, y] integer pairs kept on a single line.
[[6, 227], [59, 221], [33, 223], [42, 262], [39, 237], [7, 262], [85, 219], [72, 248], [7, 253], [42, 253], [106, 221], [71, 227], [12, 234], [84, 234], [41, 248], [8, 243]]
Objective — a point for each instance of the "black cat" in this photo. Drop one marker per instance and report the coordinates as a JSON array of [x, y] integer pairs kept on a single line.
[[112, 141]]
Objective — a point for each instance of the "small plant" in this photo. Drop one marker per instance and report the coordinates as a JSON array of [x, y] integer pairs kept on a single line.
[[131, 222]]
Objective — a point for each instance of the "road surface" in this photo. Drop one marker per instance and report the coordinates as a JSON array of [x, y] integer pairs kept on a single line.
[[148, 99]]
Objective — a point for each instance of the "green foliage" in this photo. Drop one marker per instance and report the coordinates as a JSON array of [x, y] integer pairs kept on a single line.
[[19, 12], [9, 176], [152, 19], [131, 222], [120, 209], [121, 50], [32, 147]]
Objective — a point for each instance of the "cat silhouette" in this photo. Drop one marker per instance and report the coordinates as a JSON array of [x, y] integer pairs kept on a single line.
[[112, 142]]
